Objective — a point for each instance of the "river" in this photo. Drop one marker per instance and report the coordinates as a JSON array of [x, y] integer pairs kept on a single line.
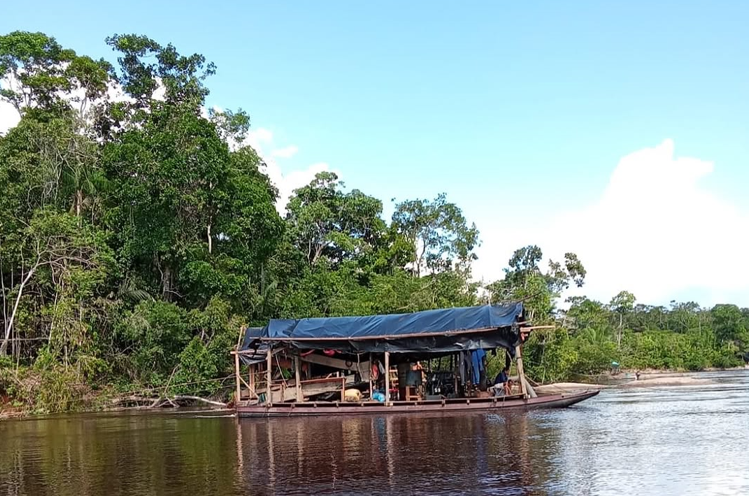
[[667, 440]]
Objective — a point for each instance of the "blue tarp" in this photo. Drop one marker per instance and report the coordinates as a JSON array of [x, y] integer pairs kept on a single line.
[[251, 334], [431, 331]]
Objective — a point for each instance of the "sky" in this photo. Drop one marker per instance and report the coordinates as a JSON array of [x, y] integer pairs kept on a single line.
[[615, 130]]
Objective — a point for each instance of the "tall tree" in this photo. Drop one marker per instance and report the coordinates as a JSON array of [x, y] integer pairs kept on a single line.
[[439, 233], [524, 280], [326, 221], [622, 305], [33, 67]]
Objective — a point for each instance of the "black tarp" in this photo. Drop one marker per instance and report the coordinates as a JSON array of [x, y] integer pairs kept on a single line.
[[432, 331], [251, 334]]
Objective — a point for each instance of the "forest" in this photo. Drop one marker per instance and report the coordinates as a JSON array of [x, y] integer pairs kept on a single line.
[[139, 232]]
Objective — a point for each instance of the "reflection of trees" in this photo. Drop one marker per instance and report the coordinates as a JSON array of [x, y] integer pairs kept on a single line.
[[150, 455], [125, 455]]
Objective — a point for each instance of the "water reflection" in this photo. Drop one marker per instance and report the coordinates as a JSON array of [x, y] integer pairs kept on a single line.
[[390, 454], [660, 441]]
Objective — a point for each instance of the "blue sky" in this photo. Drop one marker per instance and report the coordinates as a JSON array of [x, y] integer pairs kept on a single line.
[[522, 113]]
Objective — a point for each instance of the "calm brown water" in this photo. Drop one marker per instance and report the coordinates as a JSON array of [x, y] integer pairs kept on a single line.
[[682, 441]]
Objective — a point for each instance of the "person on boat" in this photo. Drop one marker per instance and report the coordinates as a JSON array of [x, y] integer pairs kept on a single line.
[[501, 383]]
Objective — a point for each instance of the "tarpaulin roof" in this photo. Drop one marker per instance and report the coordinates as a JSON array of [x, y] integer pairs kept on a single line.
[[431, 331], [251, 334]]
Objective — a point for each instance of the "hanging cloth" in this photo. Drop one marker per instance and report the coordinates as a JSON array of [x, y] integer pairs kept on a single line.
[[477, 362]]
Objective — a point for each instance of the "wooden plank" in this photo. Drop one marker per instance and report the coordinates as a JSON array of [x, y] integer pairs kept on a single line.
[[311, 388], [337, 363]]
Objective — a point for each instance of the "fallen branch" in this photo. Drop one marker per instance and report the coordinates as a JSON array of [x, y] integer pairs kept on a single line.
[[161, 401], [198, 398], [136, 399]]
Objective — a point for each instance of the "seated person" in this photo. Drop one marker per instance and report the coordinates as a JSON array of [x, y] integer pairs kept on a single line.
[[501, 386]]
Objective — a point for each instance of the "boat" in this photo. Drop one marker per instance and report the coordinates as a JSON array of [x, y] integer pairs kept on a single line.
[[417, 363]]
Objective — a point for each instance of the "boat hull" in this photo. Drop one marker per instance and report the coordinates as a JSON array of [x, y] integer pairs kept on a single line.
[[313, 409]]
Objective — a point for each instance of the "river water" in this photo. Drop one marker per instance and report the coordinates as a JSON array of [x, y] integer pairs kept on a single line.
[[667, 440]]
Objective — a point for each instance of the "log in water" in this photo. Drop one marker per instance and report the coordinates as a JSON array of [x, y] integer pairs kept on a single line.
[[663, 440]]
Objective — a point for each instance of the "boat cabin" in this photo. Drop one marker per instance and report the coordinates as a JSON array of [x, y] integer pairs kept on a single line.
[[382, 362]]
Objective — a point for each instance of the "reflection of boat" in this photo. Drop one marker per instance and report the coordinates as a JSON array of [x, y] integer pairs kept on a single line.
[[343, 365]]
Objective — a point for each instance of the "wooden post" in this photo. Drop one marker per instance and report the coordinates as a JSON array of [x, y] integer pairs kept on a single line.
[[237, 378], [269, 377], [387, 377], [454, 370], [370, 377], [253, 389], [298, 379], [521, 374]]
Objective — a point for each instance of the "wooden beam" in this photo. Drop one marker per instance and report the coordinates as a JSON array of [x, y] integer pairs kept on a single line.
[[387, 377], [369, 373], [252, 379], [237, 378], [298, 378], [521, 374], [269, 378]]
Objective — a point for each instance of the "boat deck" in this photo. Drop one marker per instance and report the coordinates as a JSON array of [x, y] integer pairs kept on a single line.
[[320, 408]]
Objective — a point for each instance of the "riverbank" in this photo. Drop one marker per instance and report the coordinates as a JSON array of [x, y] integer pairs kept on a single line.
[[106, 402], [628, 379]]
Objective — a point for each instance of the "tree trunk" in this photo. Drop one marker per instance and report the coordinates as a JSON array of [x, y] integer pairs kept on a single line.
[[619, 335], [5, 302], [78, 203], [210, 240], [166, 281], [9, 326], [318, 253]]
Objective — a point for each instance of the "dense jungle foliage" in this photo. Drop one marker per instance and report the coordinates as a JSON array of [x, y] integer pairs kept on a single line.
[[138, 233]]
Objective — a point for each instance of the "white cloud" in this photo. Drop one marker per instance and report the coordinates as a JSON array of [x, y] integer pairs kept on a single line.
[[259, 138], [655, 231], [262, 141], [8, 117], [287, 152]]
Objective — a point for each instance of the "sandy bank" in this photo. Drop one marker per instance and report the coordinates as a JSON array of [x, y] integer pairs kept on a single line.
[[567, 387], [647, 379], [670, 380]]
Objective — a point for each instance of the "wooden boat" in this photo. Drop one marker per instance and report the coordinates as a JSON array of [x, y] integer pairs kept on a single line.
[[327, 408], [347, 351]]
